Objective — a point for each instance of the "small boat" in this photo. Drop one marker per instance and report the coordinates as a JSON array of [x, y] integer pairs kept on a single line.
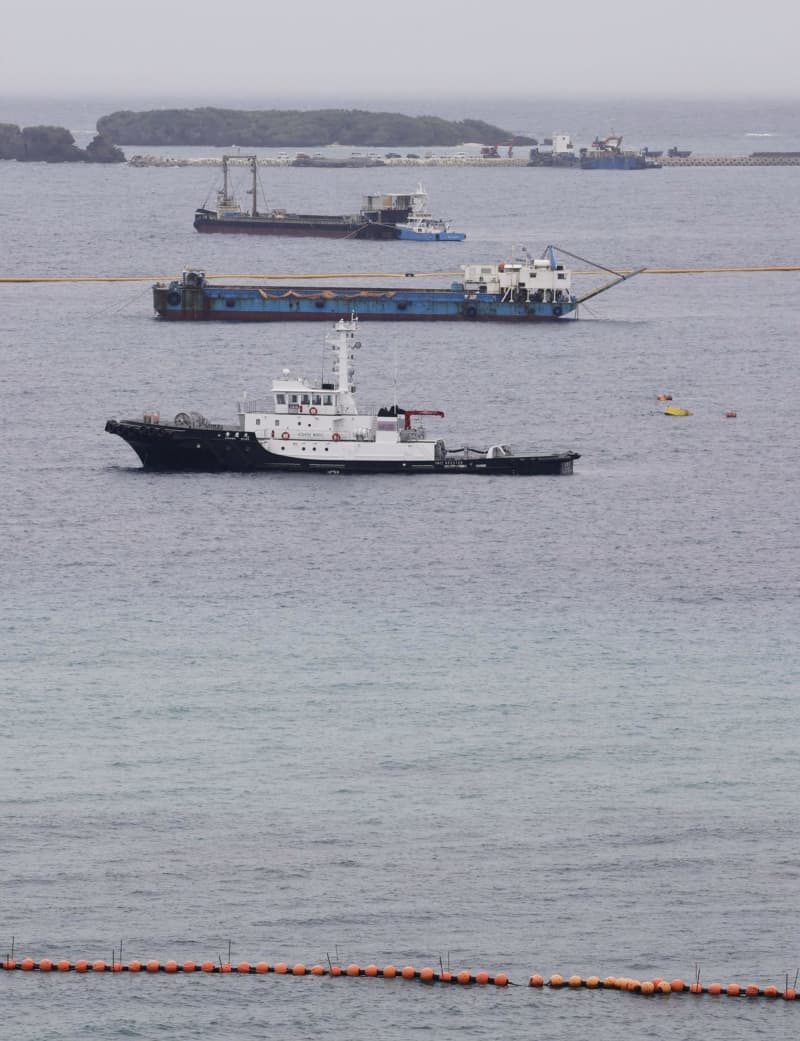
[[675, 410], [422, 227], [306, 426], [525, 289], [377, 218]]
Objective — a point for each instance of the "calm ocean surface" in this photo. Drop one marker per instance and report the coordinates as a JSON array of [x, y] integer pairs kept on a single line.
[[520, 725]]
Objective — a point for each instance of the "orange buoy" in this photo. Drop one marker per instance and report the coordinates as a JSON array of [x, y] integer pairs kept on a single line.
[[733, 990], [225, 967], [45, 965], [770, 992], [82, 965], [189, 966], [752, 991], [243, 967], [695, 988], [575, 981], [335, 970], [170, 966], [634, 985], [370, 970], [261, 967], [353, 970], [556, 980], [500, 979], [536, 980], [27, 964], [647, 987], [426, 974], [207, 966], [790, 994], [664, 987], [592, 982], [677, 985], [408, 972], [299, 969], [445, 976], [152, 965], [281, 967], [116, 966], [610, 982], [99, 965], [714, 988], [482, 977], [389, 972], [63, 965], [464, 977]]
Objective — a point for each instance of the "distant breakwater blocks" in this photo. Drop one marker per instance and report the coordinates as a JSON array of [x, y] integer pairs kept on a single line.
[[756, 159], [648, 988]]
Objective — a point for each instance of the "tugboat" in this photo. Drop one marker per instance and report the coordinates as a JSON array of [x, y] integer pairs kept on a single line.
[[377, 219], [421, 227], [317, 427]]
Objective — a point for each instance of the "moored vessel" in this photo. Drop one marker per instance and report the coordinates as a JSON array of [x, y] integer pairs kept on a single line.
[[523, 289], [308, 426], [420, 226], [377, 219]]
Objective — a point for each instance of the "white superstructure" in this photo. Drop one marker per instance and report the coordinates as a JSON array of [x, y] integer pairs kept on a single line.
[[307, 420]]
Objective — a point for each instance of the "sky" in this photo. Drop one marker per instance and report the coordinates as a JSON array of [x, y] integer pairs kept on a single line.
[[209, 51]]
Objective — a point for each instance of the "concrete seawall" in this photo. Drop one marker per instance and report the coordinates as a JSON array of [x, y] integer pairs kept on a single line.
[[788, 159]]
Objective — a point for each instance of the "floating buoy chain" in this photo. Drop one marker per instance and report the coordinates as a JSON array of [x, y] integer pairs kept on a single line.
[[661, 986], [653, 987], [408, 972]]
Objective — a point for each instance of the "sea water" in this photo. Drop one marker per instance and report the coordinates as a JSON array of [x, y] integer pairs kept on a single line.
[[503, 724]]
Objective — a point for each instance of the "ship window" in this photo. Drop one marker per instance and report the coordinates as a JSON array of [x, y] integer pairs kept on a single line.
[[305, 399], [230, 303], [316, 399], [258, 422], [561, 275], [280, 399], [327, 399], [293, 398]]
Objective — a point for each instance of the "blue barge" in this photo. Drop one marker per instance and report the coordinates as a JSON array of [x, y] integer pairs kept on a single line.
[[522, 290]]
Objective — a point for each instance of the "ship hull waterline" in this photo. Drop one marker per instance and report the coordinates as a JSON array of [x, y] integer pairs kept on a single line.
[[165, 448], [266, 304]]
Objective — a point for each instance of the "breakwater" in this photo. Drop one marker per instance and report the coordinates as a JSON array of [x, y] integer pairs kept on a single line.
[[755, 159]]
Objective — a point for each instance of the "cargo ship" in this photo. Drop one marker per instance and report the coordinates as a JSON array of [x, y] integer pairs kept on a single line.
[[607, 154], [378, 217], [526, 289], [318, 427]]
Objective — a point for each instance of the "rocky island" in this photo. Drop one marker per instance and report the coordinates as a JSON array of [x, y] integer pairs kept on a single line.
[[48, 144], [275, 128]]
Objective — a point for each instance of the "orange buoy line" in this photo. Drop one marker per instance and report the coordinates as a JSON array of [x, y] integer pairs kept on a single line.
[[661, 986], [408, 972], [653, 987]]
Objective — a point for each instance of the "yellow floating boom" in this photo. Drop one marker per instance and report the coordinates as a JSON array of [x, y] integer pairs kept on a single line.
[[386, 274]]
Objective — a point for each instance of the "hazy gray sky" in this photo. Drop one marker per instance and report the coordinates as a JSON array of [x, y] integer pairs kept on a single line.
[[208, 49]]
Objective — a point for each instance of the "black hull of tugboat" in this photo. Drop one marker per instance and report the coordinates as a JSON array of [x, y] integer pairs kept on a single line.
[[168, 449]]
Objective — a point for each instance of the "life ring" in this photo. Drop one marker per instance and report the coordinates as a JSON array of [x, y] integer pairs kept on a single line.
[[557, 311], [312, 411], [336, 437], [471, 311], [174, 298], [285, 435]]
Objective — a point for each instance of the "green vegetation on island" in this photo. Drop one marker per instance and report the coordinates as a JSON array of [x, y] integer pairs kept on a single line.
[[54, 145], [225, 128]]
